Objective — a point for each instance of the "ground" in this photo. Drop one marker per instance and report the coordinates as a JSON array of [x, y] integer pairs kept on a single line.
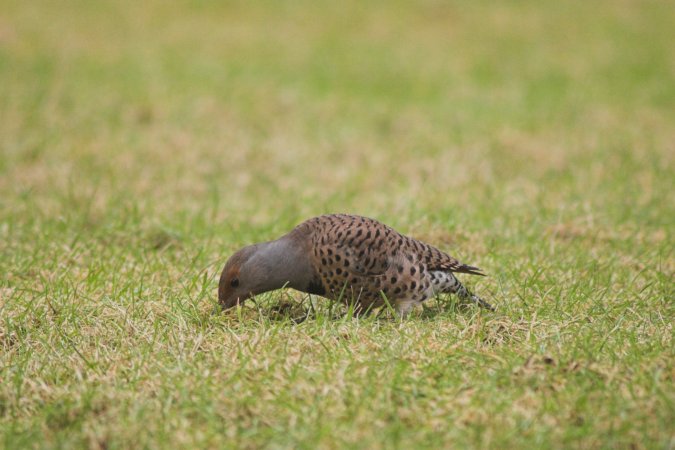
[[143, 142]]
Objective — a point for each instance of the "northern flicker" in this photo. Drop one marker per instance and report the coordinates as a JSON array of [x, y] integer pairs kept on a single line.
[[348, 258]]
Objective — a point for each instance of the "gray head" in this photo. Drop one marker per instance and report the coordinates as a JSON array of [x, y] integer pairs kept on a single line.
[[264, 267], [236, 279]]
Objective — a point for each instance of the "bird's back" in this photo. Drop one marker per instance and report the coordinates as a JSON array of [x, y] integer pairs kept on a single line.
[[377, 240], [362, 258]]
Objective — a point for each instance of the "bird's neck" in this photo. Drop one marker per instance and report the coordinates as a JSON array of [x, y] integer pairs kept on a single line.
[[283, 262]]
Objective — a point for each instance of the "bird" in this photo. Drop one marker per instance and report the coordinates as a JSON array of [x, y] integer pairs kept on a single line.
[[348, 258]]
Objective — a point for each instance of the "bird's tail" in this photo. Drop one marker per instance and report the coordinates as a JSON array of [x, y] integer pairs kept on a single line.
[[451, 285], [465, 268], [480, 302]]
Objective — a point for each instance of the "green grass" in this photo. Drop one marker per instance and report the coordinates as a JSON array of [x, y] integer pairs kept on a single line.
[[143, 142]]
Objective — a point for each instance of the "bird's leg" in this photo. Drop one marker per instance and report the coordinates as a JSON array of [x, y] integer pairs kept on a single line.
[[404, 306]]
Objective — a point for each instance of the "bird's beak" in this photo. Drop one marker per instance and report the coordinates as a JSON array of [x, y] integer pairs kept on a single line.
[[232, 302], [228, 303]]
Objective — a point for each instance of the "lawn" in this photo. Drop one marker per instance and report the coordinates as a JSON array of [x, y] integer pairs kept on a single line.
[[141, 143]]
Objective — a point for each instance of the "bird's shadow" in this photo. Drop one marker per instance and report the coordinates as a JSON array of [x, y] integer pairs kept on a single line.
[[296, 312]]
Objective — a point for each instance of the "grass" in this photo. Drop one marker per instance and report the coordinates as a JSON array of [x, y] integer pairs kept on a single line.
[[143, 142]]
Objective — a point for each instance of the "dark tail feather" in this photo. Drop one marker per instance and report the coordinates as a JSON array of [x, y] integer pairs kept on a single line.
[[455, 287], [464, 268], [480, 302]]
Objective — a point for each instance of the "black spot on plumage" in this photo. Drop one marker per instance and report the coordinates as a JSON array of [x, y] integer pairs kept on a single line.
[[412, 271], [393, 280], [324, 262]]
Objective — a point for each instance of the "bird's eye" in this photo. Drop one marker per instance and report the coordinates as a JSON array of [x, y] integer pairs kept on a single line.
[[234, 282]]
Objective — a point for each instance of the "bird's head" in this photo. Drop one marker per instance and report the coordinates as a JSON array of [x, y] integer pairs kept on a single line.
[[264, 267], [240, 278]]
